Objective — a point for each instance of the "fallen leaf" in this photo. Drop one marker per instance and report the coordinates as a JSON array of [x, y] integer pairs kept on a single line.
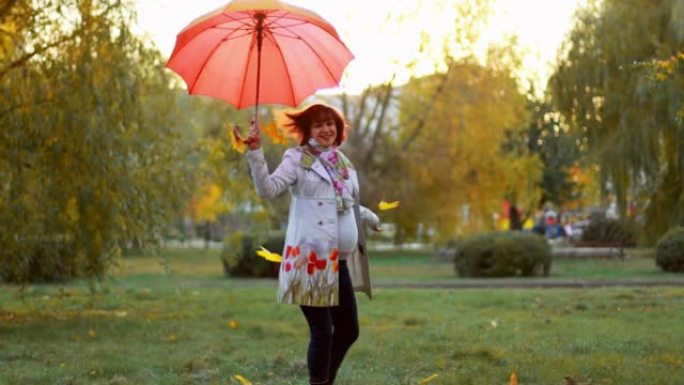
[[514, 379], [233, 324], [428, 379], [384, 206], [242, 380]]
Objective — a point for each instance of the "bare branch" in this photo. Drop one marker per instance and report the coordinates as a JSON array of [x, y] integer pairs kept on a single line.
[[26, 57]]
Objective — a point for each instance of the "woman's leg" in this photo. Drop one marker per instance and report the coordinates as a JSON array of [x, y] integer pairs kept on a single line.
[[345, 322], [318, 357]]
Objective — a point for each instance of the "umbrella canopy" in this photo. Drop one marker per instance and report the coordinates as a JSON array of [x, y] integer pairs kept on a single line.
[[259, 51]]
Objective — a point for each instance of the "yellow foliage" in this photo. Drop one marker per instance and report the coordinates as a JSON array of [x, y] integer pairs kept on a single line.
[[209, 205]]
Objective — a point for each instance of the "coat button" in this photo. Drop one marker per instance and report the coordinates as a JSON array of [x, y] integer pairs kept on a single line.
[[320, 203], [320, 223]]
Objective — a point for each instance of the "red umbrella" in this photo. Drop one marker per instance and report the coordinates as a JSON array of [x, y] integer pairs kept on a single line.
[[252, 51]]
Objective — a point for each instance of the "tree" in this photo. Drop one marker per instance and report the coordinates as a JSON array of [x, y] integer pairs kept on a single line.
[[92, 156], [608, 87], [401, 135], [458, 171], [559, 150]]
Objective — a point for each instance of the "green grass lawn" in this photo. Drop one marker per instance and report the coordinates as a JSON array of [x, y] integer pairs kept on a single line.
[[422, 266], [194, 326]]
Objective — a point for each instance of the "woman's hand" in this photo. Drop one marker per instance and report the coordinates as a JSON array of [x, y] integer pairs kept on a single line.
[[377, 228], [253, 140]]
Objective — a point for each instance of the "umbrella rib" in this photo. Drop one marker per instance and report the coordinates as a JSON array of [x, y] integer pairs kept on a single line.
[[287, 70], [288, 16], [206, 60], [247, 17], [312, 50]]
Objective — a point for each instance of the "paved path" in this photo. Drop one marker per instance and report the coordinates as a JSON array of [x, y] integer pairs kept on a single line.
[[496, 283]]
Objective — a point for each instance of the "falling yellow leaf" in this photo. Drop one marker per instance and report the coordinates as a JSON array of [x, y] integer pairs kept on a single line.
[[269, 256], [428, 379], [233, 324], [238, 145], [172, 338], [272, 131], [91, 333], [242, 380], [384, 206], [514, 379]]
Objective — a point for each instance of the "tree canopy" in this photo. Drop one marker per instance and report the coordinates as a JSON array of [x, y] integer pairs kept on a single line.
[[620, 84], [91, 150]]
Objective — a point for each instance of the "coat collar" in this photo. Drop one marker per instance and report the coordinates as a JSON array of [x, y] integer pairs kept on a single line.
[[311, 162]]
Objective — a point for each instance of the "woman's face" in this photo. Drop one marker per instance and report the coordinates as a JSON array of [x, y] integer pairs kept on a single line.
[[324, 131]]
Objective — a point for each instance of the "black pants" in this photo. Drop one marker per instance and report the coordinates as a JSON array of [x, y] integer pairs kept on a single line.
[[333, 330]]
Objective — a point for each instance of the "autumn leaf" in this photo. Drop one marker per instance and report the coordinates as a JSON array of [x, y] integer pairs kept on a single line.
[[238, 145], [428, 379], [91, 333], [384, 206], [242, 380], [513, 379], [269, 256], [233, 324], [272, 131]]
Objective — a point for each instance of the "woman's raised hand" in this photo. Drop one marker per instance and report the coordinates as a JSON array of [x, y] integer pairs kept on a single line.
[[253, 140]]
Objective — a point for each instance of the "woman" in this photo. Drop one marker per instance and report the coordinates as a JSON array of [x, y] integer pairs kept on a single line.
[[324, 244]]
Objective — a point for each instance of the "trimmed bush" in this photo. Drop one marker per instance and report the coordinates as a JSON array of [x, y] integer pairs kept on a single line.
[[240, 257], [670, 251], [503, 254], [609, 231]]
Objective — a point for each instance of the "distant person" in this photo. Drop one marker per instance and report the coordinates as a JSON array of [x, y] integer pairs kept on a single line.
[[539, 225], [324, 245], [514, 217]]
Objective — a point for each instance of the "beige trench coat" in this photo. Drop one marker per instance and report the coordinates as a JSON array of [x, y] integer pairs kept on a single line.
[[309, 270]]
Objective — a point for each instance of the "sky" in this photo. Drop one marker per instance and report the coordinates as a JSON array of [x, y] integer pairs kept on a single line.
[[383, 45]]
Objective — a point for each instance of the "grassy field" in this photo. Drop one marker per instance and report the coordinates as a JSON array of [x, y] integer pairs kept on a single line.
[[194, 326]]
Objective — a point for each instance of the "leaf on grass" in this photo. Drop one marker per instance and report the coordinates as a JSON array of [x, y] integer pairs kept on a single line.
[[384, 206], [514, 379], [269, 256], [91, 333], [428, 379], [242, 380], [233, 324]]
